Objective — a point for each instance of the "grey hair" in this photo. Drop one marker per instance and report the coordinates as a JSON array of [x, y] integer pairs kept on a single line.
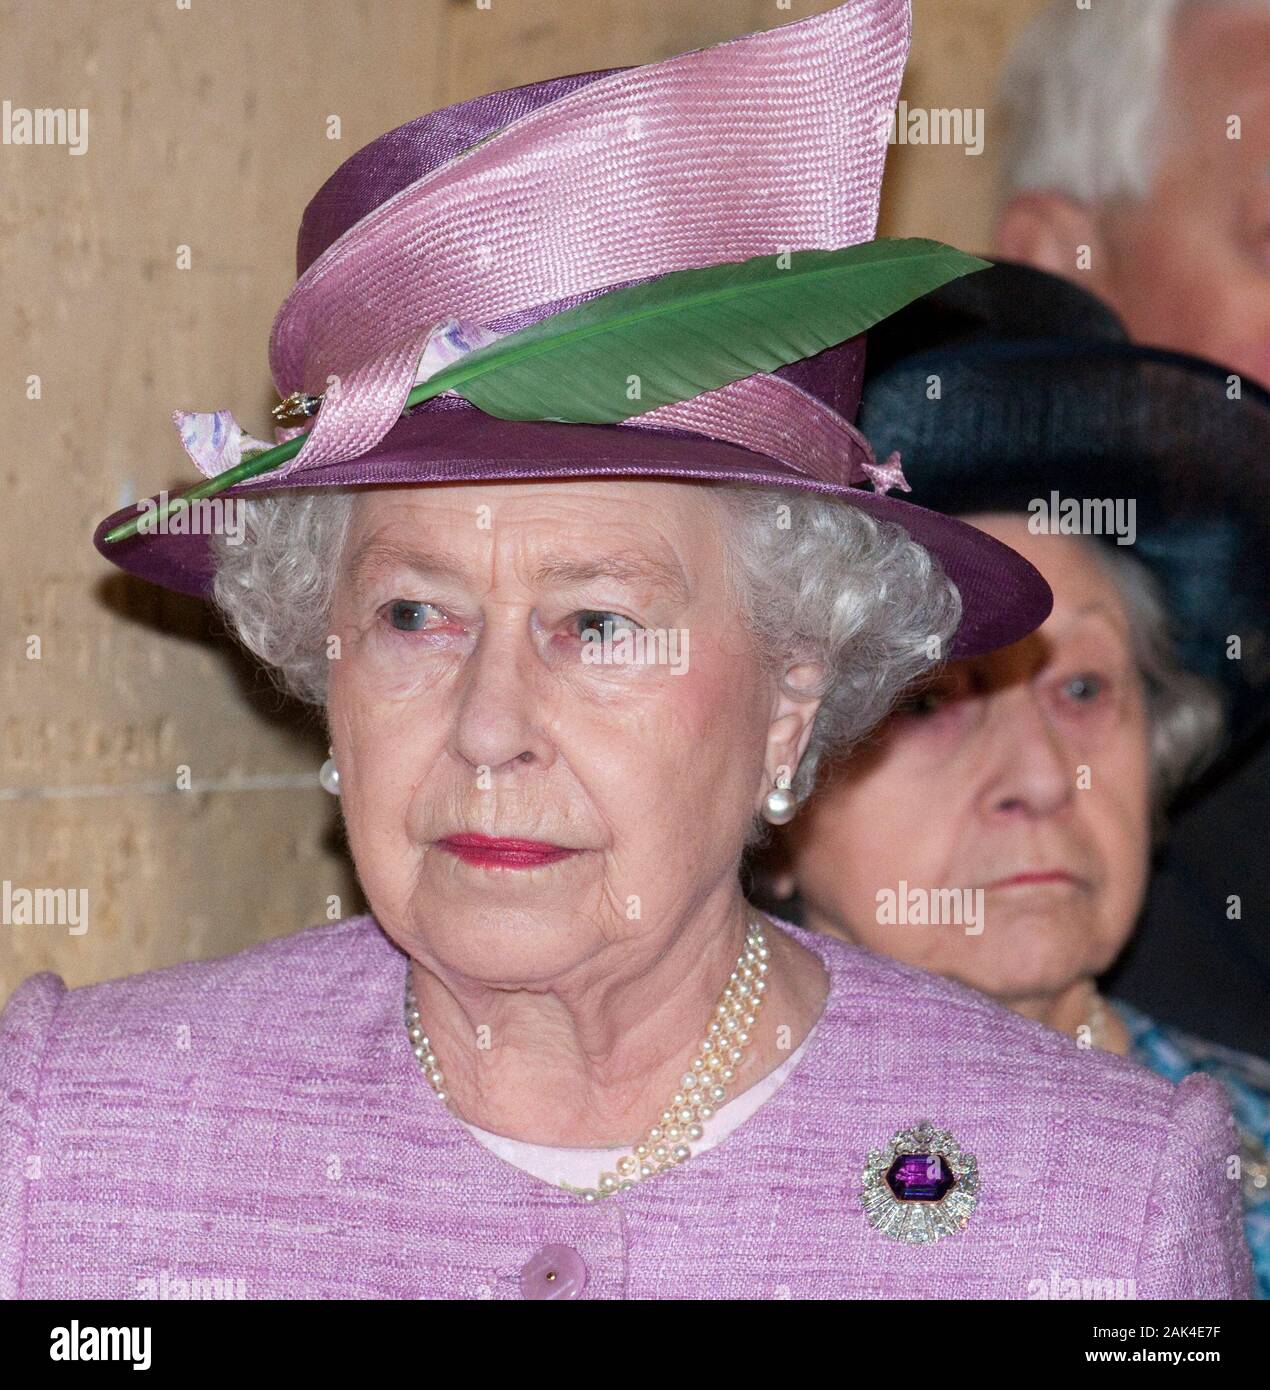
[[1081, 93], [822, 581], [816, 579], [274, 587], [1185, 712]]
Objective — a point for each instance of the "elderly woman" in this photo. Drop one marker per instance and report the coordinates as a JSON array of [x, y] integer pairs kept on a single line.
[[997, 829], [566, 669]]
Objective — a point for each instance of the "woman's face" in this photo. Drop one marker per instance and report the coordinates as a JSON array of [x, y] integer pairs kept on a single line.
[[1023, 774], [465, 702]]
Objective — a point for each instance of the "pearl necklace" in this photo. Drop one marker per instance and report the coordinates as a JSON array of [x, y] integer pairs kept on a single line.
[[1097, 1024], [703, 1087]]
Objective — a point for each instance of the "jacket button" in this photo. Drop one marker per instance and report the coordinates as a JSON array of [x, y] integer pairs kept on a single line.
[[556, 1271]]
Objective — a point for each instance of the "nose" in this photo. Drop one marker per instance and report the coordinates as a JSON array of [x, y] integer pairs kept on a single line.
[[1027, 771], [500, 722]]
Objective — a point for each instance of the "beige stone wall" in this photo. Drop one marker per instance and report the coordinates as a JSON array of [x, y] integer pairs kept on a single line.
[[208, 129]]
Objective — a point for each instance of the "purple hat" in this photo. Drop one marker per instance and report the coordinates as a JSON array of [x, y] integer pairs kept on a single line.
[[478, 220]]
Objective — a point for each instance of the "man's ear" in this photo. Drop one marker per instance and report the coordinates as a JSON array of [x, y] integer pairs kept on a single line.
[[789, 729], [1051, 232]]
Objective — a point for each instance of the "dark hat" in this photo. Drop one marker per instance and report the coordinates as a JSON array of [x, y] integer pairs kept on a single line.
[[1007, 387]]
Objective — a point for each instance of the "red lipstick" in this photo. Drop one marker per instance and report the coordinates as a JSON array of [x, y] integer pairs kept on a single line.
[[496, 852], [1038, 876]]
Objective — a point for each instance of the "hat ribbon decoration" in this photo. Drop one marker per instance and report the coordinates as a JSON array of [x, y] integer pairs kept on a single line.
[[691, 349], [669, 206]]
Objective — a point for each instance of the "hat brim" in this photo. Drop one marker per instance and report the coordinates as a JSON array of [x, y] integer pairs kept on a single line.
[[1003, 596], [1020, 419]]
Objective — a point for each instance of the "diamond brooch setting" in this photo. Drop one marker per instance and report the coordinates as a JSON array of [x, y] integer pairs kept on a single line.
[[920, 1186]]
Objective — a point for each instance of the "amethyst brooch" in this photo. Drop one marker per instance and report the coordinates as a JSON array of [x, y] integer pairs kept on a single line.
[[920, 1186]]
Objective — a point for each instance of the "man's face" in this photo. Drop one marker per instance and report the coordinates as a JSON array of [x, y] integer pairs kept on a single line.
[[1189, 267]]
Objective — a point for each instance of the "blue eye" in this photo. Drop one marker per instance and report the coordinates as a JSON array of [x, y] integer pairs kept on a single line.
[[406, 615], [933, 698], [602, 624], [1084, 689]]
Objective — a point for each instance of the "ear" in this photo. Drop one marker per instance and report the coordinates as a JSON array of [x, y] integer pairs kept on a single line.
[[790, 725], [1047, 230]]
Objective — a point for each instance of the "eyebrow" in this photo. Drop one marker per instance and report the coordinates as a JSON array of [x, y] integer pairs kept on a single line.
[[1097, 607], [377, 555], [625, 568]]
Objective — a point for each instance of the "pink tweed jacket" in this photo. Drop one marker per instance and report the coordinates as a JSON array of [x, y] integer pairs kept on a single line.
[[257, 1127]]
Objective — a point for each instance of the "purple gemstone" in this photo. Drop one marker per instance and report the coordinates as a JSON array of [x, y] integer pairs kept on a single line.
[[919, 1177]]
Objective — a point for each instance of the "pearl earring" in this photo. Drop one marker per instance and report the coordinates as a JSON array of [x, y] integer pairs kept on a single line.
[[329, 776], [779, 805]]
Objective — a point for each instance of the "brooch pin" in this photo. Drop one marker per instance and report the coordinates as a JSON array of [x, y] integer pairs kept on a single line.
[[921, 1186]]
